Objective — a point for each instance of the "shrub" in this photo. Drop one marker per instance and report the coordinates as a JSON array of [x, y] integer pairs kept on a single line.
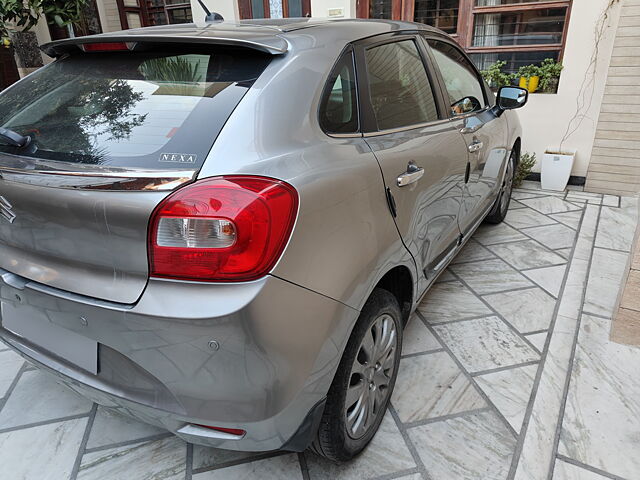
[[527, 162], [495, 77]]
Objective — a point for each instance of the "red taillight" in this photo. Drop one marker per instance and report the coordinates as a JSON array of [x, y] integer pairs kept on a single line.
[[228, 229], [104, 47], [231, 431]]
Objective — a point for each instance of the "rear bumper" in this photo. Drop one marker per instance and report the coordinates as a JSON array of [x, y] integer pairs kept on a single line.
[[278, 346]]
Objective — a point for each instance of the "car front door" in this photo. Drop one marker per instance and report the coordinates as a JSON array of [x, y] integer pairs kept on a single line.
[[484, 132], [421, 153]]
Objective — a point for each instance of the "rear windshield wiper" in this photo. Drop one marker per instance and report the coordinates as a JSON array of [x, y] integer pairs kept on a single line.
[[14, 139]]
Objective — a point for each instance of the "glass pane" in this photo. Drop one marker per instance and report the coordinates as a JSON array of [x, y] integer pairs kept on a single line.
[[399, 88], [180, 15], [514, 60], [492, 3], [275, 8], [442, 14], [133, 19], [380, 9], [338, 109], [295, 8], [531, 27], [130, 3], [461, 80], [128, 109], [257, 9]]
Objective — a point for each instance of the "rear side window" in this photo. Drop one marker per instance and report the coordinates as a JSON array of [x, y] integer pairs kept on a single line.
[[148, 110], [339, 107], [399, 88], [465, 91]]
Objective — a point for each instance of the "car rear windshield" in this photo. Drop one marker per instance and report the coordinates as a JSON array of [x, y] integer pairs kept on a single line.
[[128, 109]]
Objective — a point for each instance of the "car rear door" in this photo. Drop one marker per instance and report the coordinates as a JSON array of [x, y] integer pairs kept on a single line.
[[421, 154], [472, 115]]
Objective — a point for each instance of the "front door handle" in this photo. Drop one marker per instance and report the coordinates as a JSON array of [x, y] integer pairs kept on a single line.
[[412, 175], [475, 147]]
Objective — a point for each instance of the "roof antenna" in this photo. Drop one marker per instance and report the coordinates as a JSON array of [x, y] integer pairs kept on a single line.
[[210, 17]]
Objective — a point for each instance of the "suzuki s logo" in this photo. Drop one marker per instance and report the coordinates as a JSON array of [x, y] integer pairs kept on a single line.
[[6, 211]]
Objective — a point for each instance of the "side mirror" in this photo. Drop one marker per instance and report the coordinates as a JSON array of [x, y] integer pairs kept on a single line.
[[512, 97]]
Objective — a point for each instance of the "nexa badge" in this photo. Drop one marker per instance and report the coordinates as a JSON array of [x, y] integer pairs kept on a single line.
[[178, 157]]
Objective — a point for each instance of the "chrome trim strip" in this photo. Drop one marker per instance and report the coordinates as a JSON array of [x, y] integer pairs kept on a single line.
[[54, 174], [443, 121]]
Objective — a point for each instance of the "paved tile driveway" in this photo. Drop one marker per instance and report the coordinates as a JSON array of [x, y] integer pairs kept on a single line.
[[483, 390]]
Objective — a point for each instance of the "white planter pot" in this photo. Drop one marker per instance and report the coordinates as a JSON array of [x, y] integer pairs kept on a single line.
[[556, 170]]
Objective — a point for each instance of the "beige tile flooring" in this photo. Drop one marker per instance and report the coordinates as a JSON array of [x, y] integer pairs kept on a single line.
[[507, 373]]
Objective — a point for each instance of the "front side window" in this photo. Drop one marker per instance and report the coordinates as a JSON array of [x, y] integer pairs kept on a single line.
[[339, 107], [148, 110], [464, 89], [399, 88]]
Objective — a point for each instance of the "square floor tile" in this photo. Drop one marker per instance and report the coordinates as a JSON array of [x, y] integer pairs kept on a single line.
[[527, 217], [570, 219], [111, 427], [605, 280], [549, 278], [528, 310], [566, 471], [526, 254], [386, 454], [159, 460], [472, 252], [490, 276], [451, 301], [601, 424], [501, 233], [485, 344], [474, 447], [38, 397], [274, 468], [417, 338], [10, 364], [510, 390], [553, 236], [550, 204], [47, 452], [430, 386], [616, 228]]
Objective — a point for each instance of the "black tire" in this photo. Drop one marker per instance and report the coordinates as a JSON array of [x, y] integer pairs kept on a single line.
[[336, 439], [501, 207]]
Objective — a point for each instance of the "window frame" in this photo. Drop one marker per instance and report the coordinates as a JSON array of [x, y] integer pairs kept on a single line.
[[245, 9], [368, 121], [489, 99], [326, 90], [467, 11]]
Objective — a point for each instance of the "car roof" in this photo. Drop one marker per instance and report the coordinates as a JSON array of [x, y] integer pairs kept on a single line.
[[274, 36]]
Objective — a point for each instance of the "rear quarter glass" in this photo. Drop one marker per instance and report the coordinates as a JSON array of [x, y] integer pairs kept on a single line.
[[156, 110]]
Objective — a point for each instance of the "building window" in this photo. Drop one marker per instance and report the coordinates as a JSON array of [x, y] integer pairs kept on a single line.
[[145, 13], [274, 8], [519, 32]]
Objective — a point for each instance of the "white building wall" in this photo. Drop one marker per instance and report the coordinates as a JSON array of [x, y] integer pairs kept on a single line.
[[548, 118]]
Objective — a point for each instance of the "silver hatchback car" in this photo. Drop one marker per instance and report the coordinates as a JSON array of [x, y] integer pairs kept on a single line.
[[221, 229]]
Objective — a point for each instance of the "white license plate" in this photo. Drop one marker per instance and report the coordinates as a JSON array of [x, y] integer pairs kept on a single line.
[[32, 324]]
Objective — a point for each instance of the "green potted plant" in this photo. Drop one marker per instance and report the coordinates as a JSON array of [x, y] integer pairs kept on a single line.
[[529, 77], [550, 75], [17, 19], [495, 77]]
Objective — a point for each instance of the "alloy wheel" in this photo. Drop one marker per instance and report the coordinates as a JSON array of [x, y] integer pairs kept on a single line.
[[507, 187], [371, 374]]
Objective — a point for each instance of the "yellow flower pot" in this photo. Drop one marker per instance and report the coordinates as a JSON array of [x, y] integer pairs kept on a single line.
[[530, 83]]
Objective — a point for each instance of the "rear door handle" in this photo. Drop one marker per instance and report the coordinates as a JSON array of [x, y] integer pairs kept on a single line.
[[412, 175], [475, 147]]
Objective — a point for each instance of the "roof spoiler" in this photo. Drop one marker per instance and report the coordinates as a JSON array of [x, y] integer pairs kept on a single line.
[[271, 44]]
